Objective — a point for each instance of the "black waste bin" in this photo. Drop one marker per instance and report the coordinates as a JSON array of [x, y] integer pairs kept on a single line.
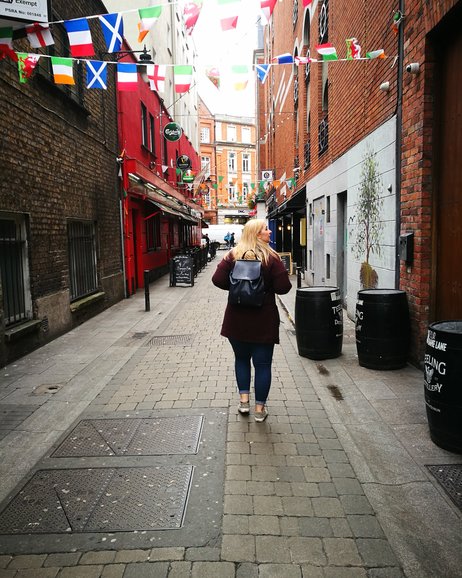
[[319, 322], [382, 328], [443, 383]]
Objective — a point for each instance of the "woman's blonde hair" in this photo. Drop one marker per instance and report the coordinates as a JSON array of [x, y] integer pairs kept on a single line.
[[251, 242]]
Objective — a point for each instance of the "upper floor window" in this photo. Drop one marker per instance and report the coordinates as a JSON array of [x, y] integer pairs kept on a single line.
[[232, 162], [205, 165], [245, 163], [324, 22], [246, 133], [144, 126], [152, 134], [205, 134], [231, 132]]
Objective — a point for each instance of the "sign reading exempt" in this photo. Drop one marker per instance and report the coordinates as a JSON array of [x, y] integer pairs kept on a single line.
[[24, 10]]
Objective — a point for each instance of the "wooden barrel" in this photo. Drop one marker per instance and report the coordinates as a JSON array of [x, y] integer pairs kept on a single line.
[[382, 328], [443, 384], [319, 322]]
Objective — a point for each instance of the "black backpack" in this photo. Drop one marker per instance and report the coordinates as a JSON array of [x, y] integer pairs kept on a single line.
[[246, 285]]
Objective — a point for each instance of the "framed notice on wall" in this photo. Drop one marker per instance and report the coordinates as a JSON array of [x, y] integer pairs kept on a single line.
[[24, 11], [286, 258]]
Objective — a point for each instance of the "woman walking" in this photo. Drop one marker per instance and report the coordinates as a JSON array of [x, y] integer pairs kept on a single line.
[[253, 331]]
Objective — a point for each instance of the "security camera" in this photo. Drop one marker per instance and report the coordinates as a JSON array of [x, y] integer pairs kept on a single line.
[[413, 68]]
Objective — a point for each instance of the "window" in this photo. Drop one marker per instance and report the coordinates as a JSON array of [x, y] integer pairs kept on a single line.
[[245, 190], [218, 131], [232, 162], [245, 163], [205, 134], [152, 134], [327, 266], [153, 233], [246, 134], [61, 48], [144, 126], [327, 209], [82, 258], [232, 193], [14, 269], [231, 131]]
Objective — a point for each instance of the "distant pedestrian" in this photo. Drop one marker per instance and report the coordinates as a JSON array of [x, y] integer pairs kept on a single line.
[[227, 239], [232, 242], [253, 331]]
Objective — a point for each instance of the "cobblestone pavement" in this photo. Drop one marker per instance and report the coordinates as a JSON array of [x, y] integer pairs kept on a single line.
[[290, 504]]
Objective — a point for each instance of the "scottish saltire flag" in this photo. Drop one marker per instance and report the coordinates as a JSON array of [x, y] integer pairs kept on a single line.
[[183, 77], [191, 14], [127, 77], [112, 26], [327, 51], [228, 13], [39, 35], [79, 35], [62, 70], [286, 58], [156, 74], [267, 7], [262, 71], [353, 49], [96, 74], [148, 17]]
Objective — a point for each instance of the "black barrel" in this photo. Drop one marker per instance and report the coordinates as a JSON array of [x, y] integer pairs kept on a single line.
[[382, 328], [443, 384], [319, 322]]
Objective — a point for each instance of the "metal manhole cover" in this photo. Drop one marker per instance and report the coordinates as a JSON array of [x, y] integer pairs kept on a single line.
[[170, 340], [100, 500], [133, 437], [450, 477]]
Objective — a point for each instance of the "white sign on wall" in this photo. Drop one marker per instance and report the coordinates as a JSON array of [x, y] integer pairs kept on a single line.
[[24, 10]]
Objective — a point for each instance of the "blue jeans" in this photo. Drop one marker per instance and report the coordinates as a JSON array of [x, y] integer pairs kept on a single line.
[[261, 354]]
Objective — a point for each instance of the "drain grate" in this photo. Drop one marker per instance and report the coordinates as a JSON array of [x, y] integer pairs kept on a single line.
[[133, 437], [170, 340], [450, 477], [100, 500]]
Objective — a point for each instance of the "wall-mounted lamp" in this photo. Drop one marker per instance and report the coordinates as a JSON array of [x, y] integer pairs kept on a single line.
[[413, 68], [385, 86], [279, 227], [289, 226]]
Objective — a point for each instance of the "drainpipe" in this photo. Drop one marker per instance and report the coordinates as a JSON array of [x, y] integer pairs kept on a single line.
[[399, 140]]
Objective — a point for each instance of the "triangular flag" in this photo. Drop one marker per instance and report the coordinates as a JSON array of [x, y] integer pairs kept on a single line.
[[353, 49], [156, 74], [262, 71], [6, 44], [39, 35], [183, 77], [96, 74], [164, 168], [285, 58], [327, 51], [241, 76], [302, 60], [267, 7], [62, 70], [213, 74], [376, 54], [307, 3], [148, 17], [229, 13], [79, 35], [112, 26], [191, 14], [26, 65], [127, 77]]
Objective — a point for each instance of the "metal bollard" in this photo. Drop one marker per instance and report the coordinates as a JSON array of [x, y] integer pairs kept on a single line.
[[299, 276], [147, 302]]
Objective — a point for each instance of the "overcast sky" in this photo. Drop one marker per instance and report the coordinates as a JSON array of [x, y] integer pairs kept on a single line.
[[222, 50]]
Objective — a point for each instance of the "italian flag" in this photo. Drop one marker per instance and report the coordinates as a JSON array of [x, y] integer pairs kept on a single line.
[[241, 76], [148, 17], [183, 77], [376, 54], [327, 51], [62, 70], [229, 12]]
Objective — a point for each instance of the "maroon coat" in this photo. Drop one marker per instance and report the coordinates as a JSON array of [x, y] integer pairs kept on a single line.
[[254, 324]]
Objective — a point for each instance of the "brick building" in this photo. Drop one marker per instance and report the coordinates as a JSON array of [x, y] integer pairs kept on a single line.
[[60, 235], [325, 122]]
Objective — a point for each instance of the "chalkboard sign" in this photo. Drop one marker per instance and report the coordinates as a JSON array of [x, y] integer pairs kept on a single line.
[[286, 258], [181, 270]]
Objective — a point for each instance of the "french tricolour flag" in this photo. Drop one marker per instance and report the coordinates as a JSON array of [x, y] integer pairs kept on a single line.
[[79, 35], [127, 77]]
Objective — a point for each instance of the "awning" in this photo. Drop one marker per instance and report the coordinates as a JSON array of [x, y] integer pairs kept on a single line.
[[292, 205], [170, 207]]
